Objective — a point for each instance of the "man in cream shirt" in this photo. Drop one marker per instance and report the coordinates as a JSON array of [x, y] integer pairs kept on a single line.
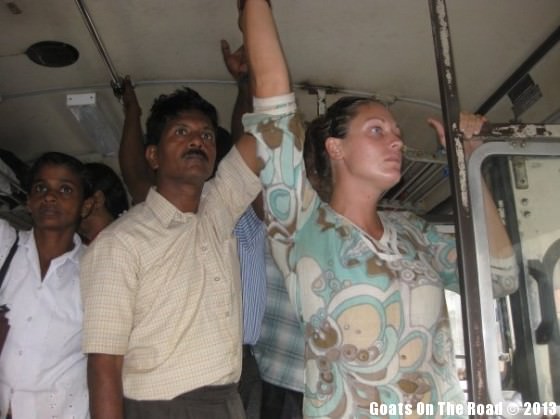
[[161, 290]]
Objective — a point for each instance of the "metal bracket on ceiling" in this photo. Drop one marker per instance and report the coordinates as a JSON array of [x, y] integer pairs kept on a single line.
[[312, 88], [321, 92]]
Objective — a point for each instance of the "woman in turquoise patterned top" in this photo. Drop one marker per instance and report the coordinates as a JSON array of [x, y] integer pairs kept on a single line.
[[367, 286]]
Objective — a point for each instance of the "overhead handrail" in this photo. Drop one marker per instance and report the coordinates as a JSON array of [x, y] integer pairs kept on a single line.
[[115, 78], [303, 86]]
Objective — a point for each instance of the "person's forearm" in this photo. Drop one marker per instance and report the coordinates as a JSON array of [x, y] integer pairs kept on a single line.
[[136, 173], [503, 266], [243, 105], [105, 386], [498, 238], [268, 69]]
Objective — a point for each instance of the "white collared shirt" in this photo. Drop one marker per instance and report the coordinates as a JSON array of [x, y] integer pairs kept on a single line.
[[42, 368]]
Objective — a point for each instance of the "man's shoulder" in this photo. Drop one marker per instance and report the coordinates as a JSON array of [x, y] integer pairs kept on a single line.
[[128, 225]]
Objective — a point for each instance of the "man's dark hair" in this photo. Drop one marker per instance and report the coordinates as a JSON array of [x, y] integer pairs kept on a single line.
[[105, 179], [55, 158], [167, 107]]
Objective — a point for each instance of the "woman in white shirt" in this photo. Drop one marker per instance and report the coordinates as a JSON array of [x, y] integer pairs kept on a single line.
[[42, 368]]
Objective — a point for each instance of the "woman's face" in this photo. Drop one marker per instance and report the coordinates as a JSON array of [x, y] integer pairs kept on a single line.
[[372, 149], [56, 198]]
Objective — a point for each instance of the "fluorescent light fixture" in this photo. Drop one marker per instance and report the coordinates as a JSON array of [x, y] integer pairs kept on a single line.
[[94, 121]]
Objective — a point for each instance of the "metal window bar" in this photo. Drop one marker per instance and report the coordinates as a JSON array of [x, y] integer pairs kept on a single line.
[[425, 183], [419, 181]]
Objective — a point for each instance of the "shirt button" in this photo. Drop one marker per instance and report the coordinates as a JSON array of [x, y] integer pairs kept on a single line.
[[216, 278], [29, 318], [20, 353], [204, 248]]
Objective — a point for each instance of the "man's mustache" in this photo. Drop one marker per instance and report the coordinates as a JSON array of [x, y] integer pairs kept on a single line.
[[196, 152]]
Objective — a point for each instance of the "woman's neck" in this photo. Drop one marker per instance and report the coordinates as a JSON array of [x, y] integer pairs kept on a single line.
[[360, 208]]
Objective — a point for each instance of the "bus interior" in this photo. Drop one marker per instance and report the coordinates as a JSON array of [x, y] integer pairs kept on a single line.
[[62, 64]]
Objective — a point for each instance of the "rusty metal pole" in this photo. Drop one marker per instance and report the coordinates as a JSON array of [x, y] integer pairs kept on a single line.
[[464, 231]]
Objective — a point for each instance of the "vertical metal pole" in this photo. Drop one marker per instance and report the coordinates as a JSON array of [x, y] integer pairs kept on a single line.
[[467, 267]]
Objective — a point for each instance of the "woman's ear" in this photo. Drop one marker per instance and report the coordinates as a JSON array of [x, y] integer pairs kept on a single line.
[[333, 146], [151, 157]]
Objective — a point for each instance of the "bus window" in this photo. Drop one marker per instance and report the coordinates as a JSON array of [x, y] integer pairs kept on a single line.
[[522, 339]]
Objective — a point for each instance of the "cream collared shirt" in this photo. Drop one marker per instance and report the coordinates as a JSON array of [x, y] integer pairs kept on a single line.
[[162, 288]]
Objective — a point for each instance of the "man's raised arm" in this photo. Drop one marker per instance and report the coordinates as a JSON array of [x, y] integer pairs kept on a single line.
[[137, 175]]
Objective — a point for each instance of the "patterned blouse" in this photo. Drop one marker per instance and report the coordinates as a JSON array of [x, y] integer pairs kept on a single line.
[[373, 311]]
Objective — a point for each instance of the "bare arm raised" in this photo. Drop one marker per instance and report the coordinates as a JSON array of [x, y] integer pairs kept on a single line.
[[498, 239], [136, 172], [238, 68], [268, 69]]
